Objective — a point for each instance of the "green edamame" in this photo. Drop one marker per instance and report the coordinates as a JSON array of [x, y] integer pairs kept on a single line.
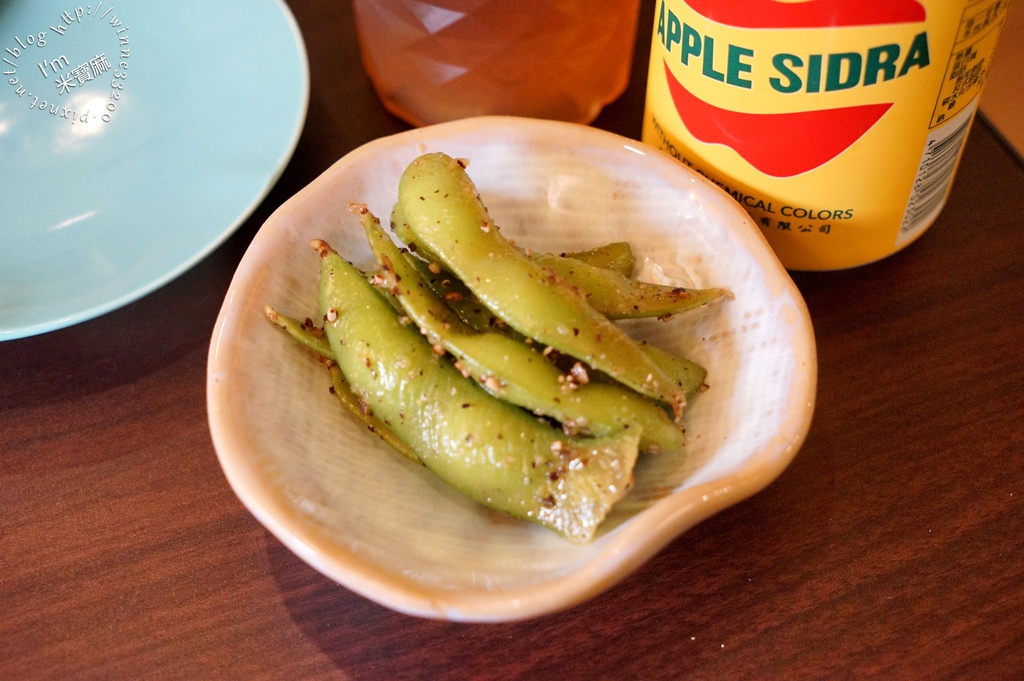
[[688, 375], [616, 256], [547, 403], [513, 370], [440, 205], [618, 297], [313, 337], [490, 450], [305, 332], [600, 274]]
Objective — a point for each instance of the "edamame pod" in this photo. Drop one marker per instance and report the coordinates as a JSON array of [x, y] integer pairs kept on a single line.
[[600, 274], [343, 391], [304, 332], [607, 291], [440, 205], [457, 296], [491, 451], [618, 297], [313, 338], [512, 370], [686, 374], [616, 256]]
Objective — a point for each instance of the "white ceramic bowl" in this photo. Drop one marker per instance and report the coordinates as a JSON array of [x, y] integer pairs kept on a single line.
[[391, 531]]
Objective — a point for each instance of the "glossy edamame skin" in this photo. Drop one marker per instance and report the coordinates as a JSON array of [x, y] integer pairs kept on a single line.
[[439, 204], [601, 275], [314, 339], [616, 256], [493, 452], [514, 371], [304, 332], [618, 297], [688, 375]]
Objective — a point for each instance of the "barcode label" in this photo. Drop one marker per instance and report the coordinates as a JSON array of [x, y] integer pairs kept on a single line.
[[935, 174]]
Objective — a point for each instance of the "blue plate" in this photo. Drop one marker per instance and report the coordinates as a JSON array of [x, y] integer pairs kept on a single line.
[[134, 139]]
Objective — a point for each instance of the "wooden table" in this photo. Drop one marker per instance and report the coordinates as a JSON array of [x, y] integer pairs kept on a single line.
[[891, 547]]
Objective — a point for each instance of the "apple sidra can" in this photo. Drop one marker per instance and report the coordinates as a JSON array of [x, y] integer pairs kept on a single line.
[[837, 124]]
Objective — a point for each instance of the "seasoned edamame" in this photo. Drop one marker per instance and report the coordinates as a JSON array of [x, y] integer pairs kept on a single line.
[[488, 449], [497, 368], [440, 205], [513, 370], [618, 297], [313, 337]]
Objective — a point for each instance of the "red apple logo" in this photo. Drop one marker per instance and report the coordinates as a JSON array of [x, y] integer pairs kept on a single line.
[[782, 144], [787, 144]]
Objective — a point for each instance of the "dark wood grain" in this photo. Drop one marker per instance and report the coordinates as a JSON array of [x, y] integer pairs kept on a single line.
[[891, 548]]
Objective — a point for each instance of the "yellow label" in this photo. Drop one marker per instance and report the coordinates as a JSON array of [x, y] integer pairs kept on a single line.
[[831, 121]]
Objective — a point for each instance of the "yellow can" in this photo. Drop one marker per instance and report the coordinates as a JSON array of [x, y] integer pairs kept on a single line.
[[837, 124]]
